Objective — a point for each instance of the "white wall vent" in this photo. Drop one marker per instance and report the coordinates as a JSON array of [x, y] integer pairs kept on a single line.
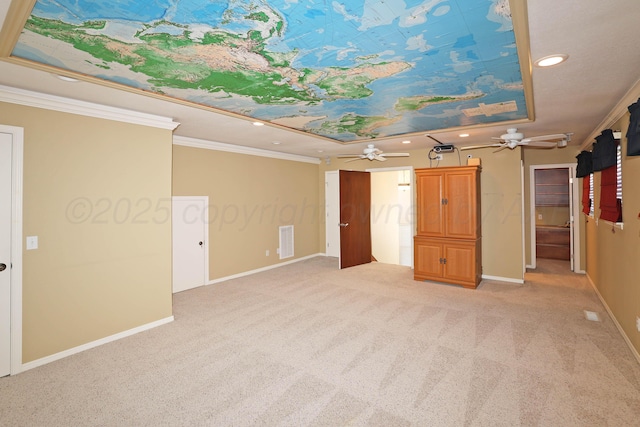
[[286, 241]]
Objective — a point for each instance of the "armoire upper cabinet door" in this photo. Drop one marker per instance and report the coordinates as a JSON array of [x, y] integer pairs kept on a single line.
[[461, 205], [430, 200]]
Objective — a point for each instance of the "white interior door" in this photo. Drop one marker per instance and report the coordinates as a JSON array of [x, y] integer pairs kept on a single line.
[[190, 242], [5, 253]]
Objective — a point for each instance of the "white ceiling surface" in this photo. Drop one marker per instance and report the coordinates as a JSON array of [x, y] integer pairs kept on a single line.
[[600, 38]]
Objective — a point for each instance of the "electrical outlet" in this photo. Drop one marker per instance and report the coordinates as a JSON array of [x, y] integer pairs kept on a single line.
[[439, 156], [266, 252], [539, 216], [638, 323]]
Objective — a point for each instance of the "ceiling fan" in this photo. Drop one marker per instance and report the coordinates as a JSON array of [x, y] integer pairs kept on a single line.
[[372, 153], [513, 139]]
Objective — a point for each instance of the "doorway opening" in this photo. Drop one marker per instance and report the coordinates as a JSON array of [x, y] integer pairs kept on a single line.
[[392, 214], [553, 213]]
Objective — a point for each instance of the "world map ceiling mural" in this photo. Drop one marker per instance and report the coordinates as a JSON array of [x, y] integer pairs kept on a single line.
[[345, 70]]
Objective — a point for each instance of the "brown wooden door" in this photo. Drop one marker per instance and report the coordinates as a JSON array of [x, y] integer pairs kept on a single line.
[[460, 194], [430, 196], [355, 218]]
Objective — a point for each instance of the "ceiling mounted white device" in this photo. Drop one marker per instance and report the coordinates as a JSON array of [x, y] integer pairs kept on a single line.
[[372, 153], [513, 139]]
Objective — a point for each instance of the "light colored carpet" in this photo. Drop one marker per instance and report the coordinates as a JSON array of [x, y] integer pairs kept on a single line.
[[309, 345]]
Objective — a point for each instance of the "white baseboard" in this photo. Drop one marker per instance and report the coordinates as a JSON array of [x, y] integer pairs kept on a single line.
[[92, 344], [258, 270], [615, 321], [503, 279]]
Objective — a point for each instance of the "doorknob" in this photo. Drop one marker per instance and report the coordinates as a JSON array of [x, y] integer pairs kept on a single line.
[[344, 224], [3, 267]]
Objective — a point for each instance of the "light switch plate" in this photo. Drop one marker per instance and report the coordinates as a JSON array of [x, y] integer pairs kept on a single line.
[[32, 242]]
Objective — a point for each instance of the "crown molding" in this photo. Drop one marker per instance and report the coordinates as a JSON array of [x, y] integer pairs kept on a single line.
[[83, 108], [231, 148], [616, 114]]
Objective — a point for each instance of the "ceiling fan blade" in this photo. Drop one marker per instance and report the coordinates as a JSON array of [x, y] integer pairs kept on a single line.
[[473, 147], [395, 155], [539, 144], [502, 147], [545, 137], [353, 160], [345, 156], [379, 157]]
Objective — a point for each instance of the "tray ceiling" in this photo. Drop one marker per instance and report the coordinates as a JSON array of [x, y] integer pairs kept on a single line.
[[348, 71]]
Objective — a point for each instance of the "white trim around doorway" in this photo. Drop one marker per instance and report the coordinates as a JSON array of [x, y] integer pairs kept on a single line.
[[575, 213]]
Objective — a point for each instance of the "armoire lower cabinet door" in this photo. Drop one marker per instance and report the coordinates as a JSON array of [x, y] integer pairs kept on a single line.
[[428, 262], [460, 265]]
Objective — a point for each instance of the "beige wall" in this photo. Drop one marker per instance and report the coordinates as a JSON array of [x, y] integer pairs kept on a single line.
[[501, 195], [613, 253], [103, 264], [249, 198]]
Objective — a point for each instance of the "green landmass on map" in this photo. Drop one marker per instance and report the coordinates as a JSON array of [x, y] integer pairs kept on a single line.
[[227, 63], [414, 103], [363, 126]]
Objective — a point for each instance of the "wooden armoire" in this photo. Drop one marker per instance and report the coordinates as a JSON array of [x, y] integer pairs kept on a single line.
[[448, 245]]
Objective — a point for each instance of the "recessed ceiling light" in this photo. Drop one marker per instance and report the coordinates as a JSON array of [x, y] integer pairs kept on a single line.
[[67, 79], [406, 142], [258, 124], [551, 60], [463, 135], [276, 143], [320, 151]]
